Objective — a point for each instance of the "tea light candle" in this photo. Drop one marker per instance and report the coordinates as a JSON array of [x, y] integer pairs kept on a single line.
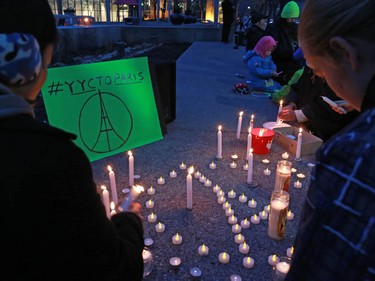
[[234, 156], [297, 184], [220, 193], [235, 277], [290, 251], [239, 124], [212, 165], [216, 188], [148, 242], [160, 227], [285, 155], [151, 191], [282, 269], [248, 262], [175, 261], [177, 239], [265, 161], [267, 172], [236, 228], [232, 194], [221, 200], [233, 165], [229, 212], [161, 180], [293, 170], [301, 176], [245, 223], [239, 238], [173, 174], [197, 174], [150, 204], [195, 272], [224, 257], [267, 208], [226, 205], [246, 167], [232, 220], [202, 178], [252, 203], [207, 183], [244, 248], [255, 219], [242, 198], [263, 215], [152, 217], [219, 142], [272, 260], [182, 166], [203, 250], [289, 215]]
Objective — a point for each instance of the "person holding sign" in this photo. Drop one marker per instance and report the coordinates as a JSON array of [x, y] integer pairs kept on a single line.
[[53, 223]]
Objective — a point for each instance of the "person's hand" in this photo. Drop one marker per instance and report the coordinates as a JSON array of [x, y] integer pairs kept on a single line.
[[342, 104], [287, 115], [274, 73], [136, 208], [290, 106]]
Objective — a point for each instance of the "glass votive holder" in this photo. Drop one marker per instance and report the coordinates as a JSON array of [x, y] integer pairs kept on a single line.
[[148, 262], [281, 268]]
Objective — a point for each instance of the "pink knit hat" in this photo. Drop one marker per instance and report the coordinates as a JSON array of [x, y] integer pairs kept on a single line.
[[264, 46]]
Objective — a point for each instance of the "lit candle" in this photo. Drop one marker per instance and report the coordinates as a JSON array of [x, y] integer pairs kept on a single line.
[[236, 228], [131, 168], [112, 182], [299, 145], [251, 125], [148, 242], [212, 165], [246, 167], [245, 224], [189, 188], [150, 204], [263, 215], [250, 169], [233, 165], [113, 209], [216, 188], [175, 261], [278, 213], [255, 219], [182, 166], [221, 200], [133, 195], [220, 193], [289, 215], [219, 142], [267, 172], [265, 161], [234, 156], [232, 220], [195, 272], [290, 251], [283, 175], [285, 155], [242, 198], [173, 174], [244, 248], [293, 170], [239, 124], [161, 180], [272, 260], [160, 227], [226, 205], [248, 262], [297, 184], [151, 191], [105, 196], [229, 212], [207, 183], [282, 269], [197, 174], [232, 194], [177, 239], [224, 257], [301, 176], [252, 203], [249, 142], [202, 178], [203, 250], [267, 208], [239, 238], [280, 109], [152, 217]]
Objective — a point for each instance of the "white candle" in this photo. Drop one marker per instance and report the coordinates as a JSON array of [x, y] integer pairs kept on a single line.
[[229, 212], [112, 182], [131, 168], [282, 269], [113, 209], [290, 251], [177, 239], [251, 125], [255, 219], [151, 191], [105, 196], [150, 204], [248, 262], [242, 198], [152, 217], [226, 205], [285, 155], [272, 260], [263, 215], [249, 142], [220, 193], [297, 184], [161, 180], [173, 174], [232, 220], [239, 238], [246, 167], [224, 257], [216, 188], [232, 194], [148, 242], [236, 228], [276, 224], [202, 178], [219, 142], [233, 165], [175, 261], [195, 272], [189, 188], [265, 161], [203, 250], [133, 195], [239, 124], [299, 145], [293, 170], [212, 165], [221, 200], [160, 227], [267, 172], [244, 248], [300, 175], [207, 183], [250, 169], [283, 175], [197, 174], [252, 203], [280, 109], [289, 215], [245, 224], [267, 208], [182, 166]]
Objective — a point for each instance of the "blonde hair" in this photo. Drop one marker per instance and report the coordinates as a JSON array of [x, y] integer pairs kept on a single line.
[[321, 20]]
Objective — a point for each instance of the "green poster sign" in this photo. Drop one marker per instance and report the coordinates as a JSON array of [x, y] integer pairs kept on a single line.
[[110, 106]]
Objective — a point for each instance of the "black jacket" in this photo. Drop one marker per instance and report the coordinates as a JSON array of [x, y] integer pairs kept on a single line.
[[253, 35]]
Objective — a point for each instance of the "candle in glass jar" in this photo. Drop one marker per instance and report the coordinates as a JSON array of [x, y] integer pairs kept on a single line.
[[239, 238], [151, 191], [232, 194], [150, 204], [173, 174], [239, 124], [177, 239], [224, 257], [152, 218], [278, 213], [203, 250], [248, 262], [219, 142], [236, 228], [159, 227], [245, 223], [252, 203], [232, 219], [242, 198], [244, 248], [283, 174], [255, 219]]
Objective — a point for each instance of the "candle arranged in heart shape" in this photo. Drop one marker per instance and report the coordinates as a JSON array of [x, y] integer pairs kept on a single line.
[[252, 203], [248, 262], [173, 174], [290, 251], [239, 238], [242, 198], [272, 260], [152, 217], [203, 250], [182, 166], [216, 188], [236, 228], [229, 212], [224, 257], [161, 180], [244, 248], [177, 239], [232, 219], [227, 205], [212, 165], [255, 219], [150, 204], [232, 194], [245, 223], [159, 227], [151, 191], [221, 200]]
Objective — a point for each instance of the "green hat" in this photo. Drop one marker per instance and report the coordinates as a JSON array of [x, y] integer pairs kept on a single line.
[[290, 11]]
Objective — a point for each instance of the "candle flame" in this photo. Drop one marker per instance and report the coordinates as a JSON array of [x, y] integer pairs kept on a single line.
[[292, 250], [281, 102], [243, 196], [252, 201], [232, 217], [152, 215], [251, 150], [130, 153], [262, 131], [109, 168], [289, 213], [191, 170], [224, 255], [103, 187], [203, 247], [150, 201], [138, 188], [236, 227], [252, 117], [248, 260], [255, 216], [300, 130], [230, 209], [263, 213], [159, 225], [113, 205], [177, 237], [226, 204], [274, 258], [246, 220], [241, 113], [239, 236], [244, 244], [219, 128]]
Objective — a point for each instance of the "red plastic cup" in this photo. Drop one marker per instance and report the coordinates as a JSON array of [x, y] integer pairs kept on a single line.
[[261, 140]]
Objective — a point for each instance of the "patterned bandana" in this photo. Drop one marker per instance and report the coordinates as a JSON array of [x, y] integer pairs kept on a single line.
[[20, 58]]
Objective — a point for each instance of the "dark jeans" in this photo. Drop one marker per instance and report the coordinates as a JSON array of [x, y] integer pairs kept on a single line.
[[225, 32]]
